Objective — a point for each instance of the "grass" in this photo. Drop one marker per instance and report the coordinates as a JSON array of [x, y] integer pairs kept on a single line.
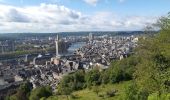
[[88, 94]]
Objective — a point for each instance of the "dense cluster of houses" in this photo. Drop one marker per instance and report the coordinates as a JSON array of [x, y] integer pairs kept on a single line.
[[47, 70]]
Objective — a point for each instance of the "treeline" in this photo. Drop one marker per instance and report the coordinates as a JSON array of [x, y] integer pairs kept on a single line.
[[26, 92], [16, 36]]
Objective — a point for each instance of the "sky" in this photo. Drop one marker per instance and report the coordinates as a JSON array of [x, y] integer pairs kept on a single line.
[[79, 15]]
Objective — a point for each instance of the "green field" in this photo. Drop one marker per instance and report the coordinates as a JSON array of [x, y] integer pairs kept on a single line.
[[88, 94]]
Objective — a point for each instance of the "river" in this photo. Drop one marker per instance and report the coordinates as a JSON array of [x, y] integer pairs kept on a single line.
[[74, 47]]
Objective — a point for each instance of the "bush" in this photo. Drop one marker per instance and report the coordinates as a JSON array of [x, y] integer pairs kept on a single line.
[[155, 96], [96, 89], [131, 92], [72, 82], [105, 77], [52, 98], [111, 93], [93, 78], [73, 96], [40, 92], [101, 95], [122, 70], [22, 92]]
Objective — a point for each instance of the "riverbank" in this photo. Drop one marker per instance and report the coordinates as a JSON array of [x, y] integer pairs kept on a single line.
[[69, 49]]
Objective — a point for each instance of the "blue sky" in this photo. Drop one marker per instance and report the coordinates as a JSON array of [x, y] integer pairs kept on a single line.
[[79, 15]]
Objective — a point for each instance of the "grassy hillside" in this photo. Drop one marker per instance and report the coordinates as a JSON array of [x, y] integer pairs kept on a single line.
[[89, 94]]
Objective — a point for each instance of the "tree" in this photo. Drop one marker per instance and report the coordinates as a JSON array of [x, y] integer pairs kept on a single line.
[[123, 70], [131, 92], [153, 71], [105, 76], [79, 80], [39, 92], [93, 78], [72, 82], [23, 92]]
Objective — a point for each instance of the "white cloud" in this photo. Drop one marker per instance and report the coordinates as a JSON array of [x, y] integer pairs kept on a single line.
[[94, 2], [91, 2], [55, 18]]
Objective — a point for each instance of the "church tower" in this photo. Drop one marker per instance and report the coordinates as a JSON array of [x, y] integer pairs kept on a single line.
[[57, 42]]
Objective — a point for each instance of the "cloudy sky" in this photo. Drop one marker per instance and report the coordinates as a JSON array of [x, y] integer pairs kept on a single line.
[[79, 15]]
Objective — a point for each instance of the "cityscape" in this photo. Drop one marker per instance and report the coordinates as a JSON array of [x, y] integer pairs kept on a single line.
[[89, 51], [84, 50]]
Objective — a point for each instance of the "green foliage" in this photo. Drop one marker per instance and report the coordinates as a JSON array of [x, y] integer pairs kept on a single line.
[[153, 71], [105, 75], [72, 82], [111, 93], [119, 71], [40, 92], [164, 23], [88, 94], [73, 96], [22, 93], [96, 89], [14, 97], [93, 78], [132, 92], [26, 87], [43, 98], [123, 69], [52, 98], [155, 96]]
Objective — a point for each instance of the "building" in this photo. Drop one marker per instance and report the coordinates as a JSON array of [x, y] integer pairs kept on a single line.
[[56, 60], [7, 46], [56, 42], [91, 37]]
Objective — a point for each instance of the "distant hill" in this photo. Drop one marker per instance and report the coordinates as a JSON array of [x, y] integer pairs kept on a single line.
[[13, 36]]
